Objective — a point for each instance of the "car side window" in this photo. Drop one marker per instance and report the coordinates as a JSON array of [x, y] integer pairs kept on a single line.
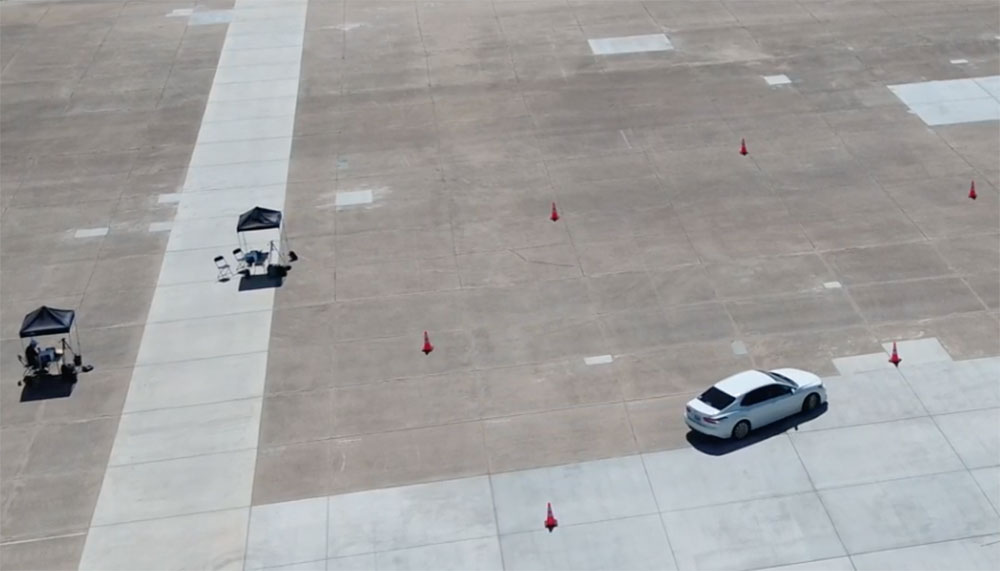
[[755, 396], [780, 391]]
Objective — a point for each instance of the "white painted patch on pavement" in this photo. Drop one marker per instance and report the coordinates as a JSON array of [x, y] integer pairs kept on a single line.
[[630, 44], [91, 232], [354, 198], [777, 79]]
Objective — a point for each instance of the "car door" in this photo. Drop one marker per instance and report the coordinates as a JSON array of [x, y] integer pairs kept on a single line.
[[754, 406], [782, 402], [769, 404]]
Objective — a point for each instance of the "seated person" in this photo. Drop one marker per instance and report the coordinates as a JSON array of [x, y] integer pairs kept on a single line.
[[37, 358], [31, 355]]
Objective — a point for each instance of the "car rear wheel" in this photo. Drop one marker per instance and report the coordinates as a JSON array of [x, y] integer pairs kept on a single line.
[[811, 402], [741, 430]]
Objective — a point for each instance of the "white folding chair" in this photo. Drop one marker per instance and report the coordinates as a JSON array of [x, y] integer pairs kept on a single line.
[[225, 272]]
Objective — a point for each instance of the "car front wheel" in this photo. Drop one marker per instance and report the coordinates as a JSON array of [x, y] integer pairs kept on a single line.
[[811, 402], [741, 430]]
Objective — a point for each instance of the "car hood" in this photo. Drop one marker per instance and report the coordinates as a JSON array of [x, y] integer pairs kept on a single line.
[[803, 379]]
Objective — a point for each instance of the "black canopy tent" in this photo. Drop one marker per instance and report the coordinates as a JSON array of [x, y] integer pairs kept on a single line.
[[259, 218], [46, 321]]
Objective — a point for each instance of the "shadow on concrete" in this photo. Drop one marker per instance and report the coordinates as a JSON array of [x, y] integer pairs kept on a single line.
[[262, 281], [46, 387], [718, 447]]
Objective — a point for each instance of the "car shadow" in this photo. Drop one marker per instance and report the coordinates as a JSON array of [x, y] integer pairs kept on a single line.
[[719, 447]]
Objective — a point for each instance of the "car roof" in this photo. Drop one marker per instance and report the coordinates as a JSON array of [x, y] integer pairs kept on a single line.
[[741, 383]]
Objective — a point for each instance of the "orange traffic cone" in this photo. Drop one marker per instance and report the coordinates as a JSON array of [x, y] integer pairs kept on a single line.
[[427, 345], [894, 358], [550, 520]]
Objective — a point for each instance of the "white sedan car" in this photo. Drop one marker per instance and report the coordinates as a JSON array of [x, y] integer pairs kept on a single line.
[[752, 399]]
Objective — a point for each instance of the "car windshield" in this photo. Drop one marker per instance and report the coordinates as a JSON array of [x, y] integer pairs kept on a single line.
[[716, 398]]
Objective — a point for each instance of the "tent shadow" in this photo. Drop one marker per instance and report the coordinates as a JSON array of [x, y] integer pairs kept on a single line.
[[263, 281], [46, 387], [718, 447]]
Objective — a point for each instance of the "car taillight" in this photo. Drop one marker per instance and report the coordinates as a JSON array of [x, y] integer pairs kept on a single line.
[[710, 420]]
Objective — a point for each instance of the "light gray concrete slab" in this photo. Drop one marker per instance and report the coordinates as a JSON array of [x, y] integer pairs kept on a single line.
[[468, 555], [175, 341], [276, 26], [262, 41], [991, 84], [780, 79], [196, 382], [748, 535], [175, 487], [863, 363], [938, 91], [293, 14], [250, 109], [410, 516], [625, 544], [241, 151], [202, 233], [851, 455], [579, 493], [245, 129], [956, 112], [973, 554], [909, 512], [257, 174], [273, 72], [974, 434], [958, 386], [920, 351], [989, 481], [287, 533], [187, 266], [688, 478], [186, 431], [835, 564], [862, 398], [364, 562], [201, 300], [306, 566], [243, 91], [289, 56], [214, 540], [229, 203]]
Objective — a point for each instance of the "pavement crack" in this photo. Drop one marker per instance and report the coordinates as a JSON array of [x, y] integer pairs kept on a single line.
[[540, 262]]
